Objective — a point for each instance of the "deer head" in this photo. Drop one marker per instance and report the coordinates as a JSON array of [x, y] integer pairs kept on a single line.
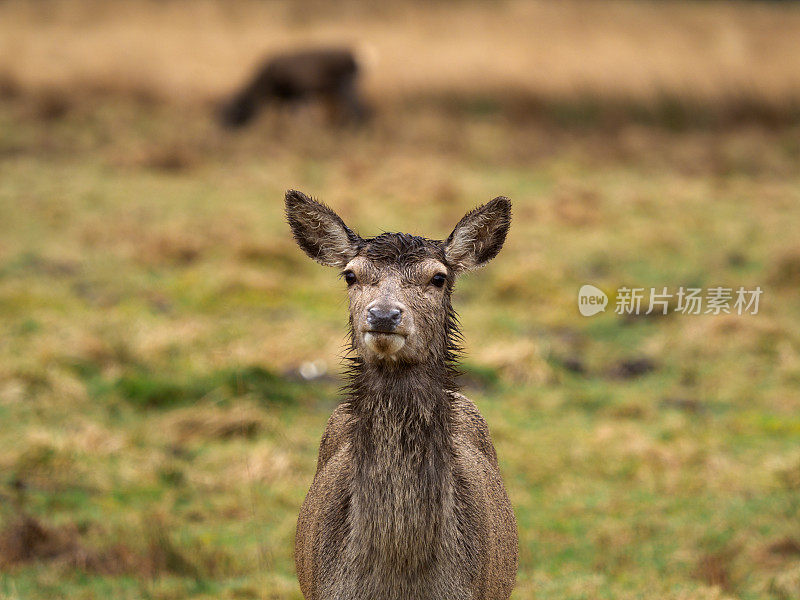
[[399, 285]]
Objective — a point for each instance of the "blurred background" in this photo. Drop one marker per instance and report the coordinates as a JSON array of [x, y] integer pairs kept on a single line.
[[169, 357]]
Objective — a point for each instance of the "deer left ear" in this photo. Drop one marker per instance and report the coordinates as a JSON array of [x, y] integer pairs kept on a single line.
[[479, 235]]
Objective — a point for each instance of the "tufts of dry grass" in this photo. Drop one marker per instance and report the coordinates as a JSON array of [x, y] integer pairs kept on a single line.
[[152, 553], [215, 423], [26, 540]]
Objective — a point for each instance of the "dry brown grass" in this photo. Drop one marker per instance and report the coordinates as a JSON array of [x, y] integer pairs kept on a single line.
[[187, 424], [25, 540], [740, 54]]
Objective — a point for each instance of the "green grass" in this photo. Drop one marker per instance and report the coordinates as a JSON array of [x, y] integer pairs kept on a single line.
[[154, 320]]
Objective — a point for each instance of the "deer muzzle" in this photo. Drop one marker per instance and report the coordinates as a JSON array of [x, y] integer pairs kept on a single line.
[[383, 332]]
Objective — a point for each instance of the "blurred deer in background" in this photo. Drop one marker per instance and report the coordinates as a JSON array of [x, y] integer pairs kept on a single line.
[[326, 74], [407, 502]]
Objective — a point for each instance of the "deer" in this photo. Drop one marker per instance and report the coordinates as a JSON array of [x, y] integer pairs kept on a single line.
[[289, 78], [407, 502]]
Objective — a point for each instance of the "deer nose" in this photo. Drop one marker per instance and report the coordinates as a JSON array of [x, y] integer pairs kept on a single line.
[[384, 319]]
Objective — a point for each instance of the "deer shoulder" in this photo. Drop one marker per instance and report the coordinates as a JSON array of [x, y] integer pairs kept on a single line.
[[335, 436], [470, 426]]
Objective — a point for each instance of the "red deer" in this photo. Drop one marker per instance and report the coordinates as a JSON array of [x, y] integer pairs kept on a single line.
[[407, 502], [326, 74]]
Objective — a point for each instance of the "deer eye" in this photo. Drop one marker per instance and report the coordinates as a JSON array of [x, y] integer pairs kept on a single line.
[[438, 280], [349, 278]]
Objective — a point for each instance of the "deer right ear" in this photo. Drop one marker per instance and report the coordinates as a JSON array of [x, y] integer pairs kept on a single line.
[[319, 231]]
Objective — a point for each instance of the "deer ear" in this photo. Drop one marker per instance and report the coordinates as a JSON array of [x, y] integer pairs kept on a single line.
[[319, 231], [479, 235]]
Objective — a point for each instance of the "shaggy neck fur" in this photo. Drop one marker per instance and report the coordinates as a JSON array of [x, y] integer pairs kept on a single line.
[[402, 491]]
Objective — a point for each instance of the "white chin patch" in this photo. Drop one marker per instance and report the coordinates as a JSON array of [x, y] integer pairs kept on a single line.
[[384, 344]]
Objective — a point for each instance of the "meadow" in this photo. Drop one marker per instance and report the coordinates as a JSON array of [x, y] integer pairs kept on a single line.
[[157, 434]]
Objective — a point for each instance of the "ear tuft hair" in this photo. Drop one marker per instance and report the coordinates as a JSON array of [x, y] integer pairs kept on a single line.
[[319, 231], [479, 235]]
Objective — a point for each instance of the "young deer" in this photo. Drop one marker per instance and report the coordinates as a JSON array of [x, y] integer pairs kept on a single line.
[[407, 502]]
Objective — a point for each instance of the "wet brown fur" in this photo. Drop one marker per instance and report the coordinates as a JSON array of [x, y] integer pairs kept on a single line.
[[407, 501]]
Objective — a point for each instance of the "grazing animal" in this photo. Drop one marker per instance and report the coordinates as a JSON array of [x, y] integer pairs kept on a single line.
[[326, 74], [407, 502]]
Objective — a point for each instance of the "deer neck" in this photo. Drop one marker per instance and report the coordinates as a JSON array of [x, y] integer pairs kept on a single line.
[[402, 484]]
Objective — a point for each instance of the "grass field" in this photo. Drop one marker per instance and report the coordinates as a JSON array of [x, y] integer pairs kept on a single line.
[[157, 438]]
